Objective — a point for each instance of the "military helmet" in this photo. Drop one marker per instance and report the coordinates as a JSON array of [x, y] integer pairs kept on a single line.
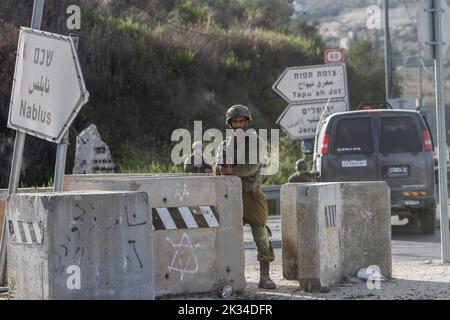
[[237, 110], [300, 165]]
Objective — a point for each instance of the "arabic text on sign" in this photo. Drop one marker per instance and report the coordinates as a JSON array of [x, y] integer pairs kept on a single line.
[[40, 86], [318, 84]]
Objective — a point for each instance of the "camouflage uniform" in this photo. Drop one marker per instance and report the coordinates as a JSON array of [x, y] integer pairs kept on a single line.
[[301, 174], [254, 201]]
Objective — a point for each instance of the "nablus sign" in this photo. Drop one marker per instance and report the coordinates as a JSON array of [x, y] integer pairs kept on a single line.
[[48, 89]]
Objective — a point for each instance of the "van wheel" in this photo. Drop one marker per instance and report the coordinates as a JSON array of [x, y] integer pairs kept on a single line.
[[428, 221]]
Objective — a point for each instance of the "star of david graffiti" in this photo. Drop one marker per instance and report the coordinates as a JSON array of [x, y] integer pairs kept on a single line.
[[190, 265]]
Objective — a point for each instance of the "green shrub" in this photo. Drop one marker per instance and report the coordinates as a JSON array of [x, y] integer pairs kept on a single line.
[[193, 14], [290, 152], [133, 159], [232, 63]]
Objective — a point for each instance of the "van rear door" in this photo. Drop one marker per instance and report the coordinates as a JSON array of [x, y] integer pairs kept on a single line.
[[403, 164], [352, 154]]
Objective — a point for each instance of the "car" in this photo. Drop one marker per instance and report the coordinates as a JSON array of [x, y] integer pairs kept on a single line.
[[379, 143]]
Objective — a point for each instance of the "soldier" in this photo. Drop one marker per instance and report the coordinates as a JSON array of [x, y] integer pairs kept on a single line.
[[196, 163], [301, 174], [254, 201]]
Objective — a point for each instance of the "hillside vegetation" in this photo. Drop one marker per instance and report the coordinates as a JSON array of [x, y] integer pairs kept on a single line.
[[155, 66]]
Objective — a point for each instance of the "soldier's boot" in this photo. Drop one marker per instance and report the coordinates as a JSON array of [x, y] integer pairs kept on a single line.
[[265, 282]]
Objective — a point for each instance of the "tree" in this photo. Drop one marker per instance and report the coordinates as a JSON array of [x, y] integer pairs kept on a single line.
[[268, 14], [366, 73]]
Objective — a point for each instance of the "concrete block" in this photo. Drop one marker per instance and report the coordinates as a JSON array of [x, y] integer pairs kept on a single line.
[[367, 226], [318, 219], [198, 227], [289, 218], [80, 245], [4, 194], [320, 250], [92, 155]]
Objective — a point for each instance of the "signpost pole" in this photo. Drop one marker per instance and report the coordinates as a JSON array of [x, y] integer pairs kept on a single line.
[[61, 149], [60, 165], [387, 51], [19, 144], [441, 136]]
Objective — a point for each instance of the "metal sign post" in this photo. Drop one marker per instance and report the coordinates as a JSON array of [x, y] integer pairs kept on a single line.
[[387, 51], [19, 144], [60, 164], [48, 91], [61, 149], [441, 132], [433, 17]]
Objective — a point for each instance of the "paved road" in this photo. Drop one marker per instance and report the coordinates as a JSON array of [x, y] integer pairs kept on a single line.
[[407, 243]]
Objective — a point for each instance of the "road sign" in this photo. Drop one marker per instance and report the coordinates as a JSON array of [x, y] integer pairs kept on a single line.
[[334, 56], [48, 89], [312, 83], [425, 27], [300, 120]]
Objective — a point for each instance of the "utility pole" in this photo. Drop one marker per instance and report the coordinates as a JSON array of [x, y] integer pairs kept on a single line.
[[420, 97], [387, 52], [438, 41]]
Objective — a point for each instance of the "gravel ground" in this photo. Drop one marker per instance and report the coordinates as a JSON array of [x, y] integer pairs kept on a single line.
[[421, 279], [418, 279]]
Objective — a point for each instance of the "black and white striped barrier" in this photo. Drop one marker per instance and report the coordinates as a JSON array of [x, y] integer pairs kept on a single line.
[[185, 218], [198, 243], [23, 232]]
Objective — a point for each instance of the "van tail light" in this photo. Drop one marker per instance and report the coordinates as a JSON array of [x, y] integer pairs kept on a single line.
[[326, 139], [427, 145]]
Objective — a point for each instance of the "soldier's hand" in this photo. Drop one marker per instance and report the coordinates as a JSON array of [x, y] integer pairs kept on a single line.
[[227, 171]]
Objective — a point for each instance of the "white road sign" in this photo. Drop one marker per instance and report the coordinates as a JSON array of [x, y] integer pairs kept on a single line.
[[312, 83], [48, 89], [300, 120]]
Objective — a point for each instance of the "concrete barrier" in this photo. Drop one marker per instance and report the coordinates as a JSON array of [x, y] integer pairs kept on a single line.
[[198, 227], [366, 226], [4, 194], [314, 244], [331, 230], [80, 245]]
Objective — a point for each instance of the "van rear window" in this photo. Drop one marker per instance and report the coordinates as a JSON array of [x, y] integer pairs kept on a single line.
[[398, 135], [353, 136]]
